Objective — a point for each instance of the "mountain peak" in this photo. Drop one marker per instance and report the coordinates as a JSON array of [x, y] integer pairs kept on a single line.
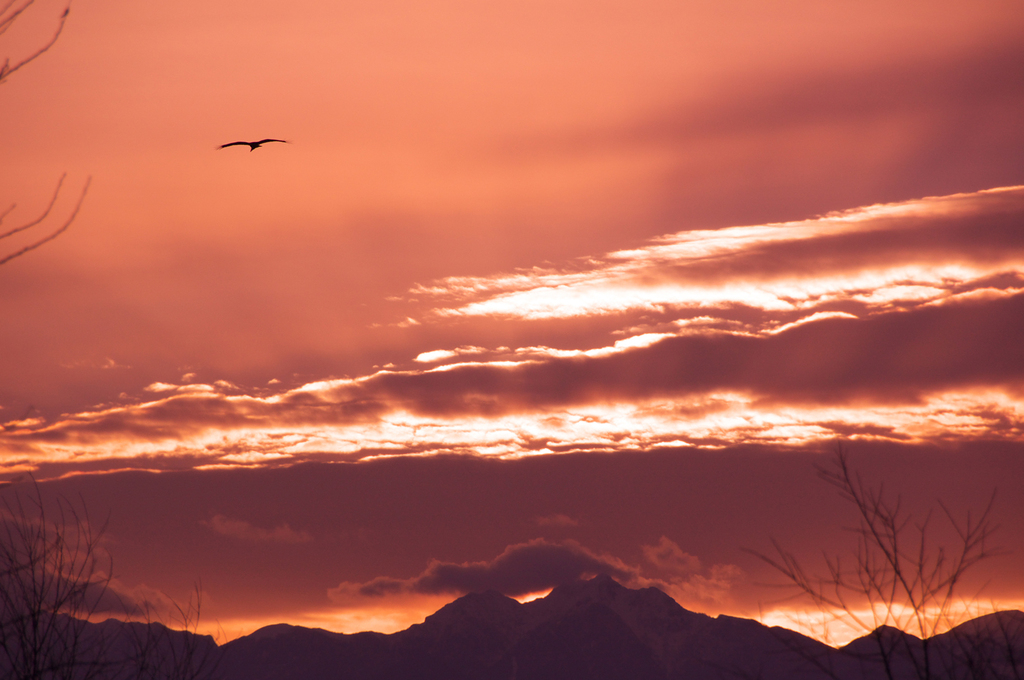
[[601, 587], [606, 590], [488, 606], [273, 631]]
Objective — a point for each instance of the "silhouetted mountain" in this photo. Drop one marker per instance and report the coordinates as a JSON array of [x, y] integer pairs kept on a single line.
[[588, 630], [64, 647], [990, 646]]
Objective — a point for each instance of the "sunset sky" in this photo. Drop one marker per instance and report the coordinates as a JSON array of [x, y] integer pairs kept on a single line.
[[536, 290]]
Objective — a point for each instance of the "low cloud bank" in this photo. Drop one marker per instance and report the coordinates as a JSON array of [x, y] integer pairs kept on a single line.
[[539, 565]]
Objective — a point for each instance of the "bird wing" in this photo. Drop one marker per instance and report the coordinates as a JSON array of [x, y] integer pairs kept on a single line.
[[264, 141], [234, 144]]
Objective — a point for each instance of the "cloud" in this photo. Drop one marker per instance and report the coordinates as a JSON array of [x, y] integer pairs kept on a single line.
[[779, 146], [442, 354], [700, 589], [539, 565], [668, 556], [520, 569], [559, 520], [890, 321], [939, 371], [869, 258], [118, 599], [236, 528], [102, 594], [978, 80], [684, 578]]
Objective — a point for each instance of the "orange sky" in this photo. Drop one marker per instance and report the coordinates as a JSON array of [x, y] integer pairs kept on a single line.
[[678, 242]]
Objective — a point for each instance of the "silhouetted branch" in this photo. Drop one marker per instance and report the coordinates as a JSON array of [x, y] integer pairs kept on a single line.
[[55, 580], [896, 582], [39, 219], [6, 20], [53, 576], [55, 234], [180, 653]]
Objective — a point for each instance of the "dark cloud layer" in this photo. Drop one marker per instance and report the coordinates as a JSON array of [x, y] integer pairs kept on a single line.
[[538, 565], [892, 357], [898, 357], [817, 142], [993, 239], [520, 569]]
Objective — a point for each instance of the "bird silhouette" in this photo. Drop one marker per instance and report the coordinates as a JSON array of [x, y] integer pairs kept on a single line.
[[253, 145]]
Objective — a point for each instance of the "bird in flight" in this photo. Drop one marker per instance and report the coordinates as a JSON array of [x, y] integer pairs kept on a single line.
[[253, 145]]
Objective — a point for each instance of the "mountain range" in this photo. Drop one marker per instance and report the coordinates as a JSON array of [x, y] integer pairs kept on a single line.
[[584, 630], [601, 630]]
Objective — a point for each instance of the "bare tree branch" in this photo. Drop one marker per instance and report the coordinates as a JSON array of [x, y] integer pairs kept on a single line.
[[55, 580], [53, 576], [897, 587], [7, 18], [6, 70], [39, 219], [162, 653], [55, 234], [6, 21]]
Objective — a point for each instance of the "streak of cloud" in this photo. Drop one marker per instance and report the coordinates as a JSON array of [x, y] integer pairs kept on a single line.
[[558, 520], [895, 321], [237, 528], [875, 258]]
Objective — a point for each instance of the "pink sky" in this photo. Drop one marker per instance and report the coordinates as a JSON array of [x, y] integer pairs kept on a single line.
[[686, 245]]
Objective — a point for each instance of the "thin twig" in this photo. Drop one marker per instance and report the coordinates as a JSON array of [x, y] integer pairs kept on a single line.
[[6, 69], [7, 21], [55, 234], [39, 219]]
